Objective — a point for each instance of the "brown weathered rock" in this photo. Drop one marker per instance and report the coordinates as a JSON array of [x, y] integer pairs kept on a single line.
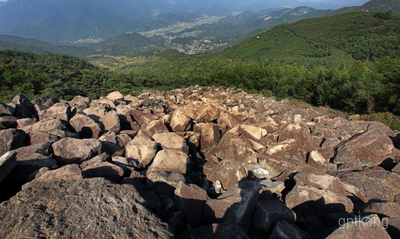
[[95, 112], [70, 172], [157, 126], [171, 140], [209, 135], [70, 150], [190, 199], [25, 122], [112, 144], [170, 160], [80, 103], [42, 137], [326, 182], [111, 122], [85, 126], [232, 147], [11, 139], [369, 148], [7, 163], [127, 164], [207, 113], [98, 168], [367, 228], [122, 213], [235, 206], [374, 184], [253, 133], [59, 111], [301, 134], [115, 96], [180, 122], [306, 200], [228, 173], [142, 149], [45, 125], [316, 160], [164, 183]]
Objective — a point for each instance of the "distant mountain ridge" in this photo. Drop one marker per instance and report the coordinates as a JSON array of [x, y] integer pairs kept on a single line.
[[69, 20], [33, 45]]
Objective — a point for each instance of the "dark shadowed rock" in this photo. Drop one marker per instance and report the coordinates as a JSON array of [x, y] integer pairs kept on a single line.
[[270, 211], [98, 168], [6, 110], [164, 183], [29, 162], [220, 231], [25, 108], [285, 230], [190, 199], [70, 150], [112, 144], [11, 139], [235, 206], [103, 210], [9, 121]]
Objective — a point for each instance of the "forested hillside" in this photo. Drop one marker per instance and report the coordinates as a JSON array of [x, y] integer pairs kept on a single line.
[[349, 62]]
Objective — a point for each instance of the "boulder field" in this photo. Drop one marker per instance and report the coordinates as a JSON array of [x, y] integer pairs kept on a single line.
[[199, 162]]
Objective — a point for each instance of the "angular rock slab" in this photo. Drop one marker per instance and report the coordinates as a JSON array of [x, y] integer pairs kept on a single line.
[[87, 208], [70, 150], [170, 160], [369, 148]]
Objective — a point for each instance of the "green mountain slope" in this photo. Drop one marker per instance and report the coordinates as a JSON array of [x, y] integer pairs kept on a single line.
[[371, 6], [349, 36], [36, 46], [380, 5], [126, 44]]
